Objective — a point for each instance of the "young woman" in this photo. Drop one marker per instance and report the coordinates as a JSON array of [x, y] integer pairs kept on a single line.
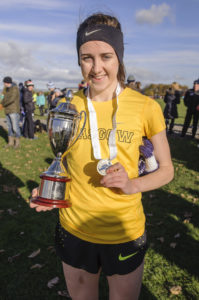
[[104, 230]]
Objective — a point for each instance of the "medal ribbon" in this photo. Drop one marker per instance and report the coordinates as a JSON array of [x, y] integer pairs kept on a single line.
[[94, 129]]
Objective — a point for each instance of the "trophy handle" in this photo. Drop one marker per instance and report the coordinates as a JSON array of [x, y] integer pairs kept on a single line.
[[75, 139]]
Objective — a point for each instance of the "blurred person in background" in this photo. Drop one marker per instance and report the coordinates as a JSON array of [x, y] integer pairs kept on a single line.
[[131, 83], [171, 98], [34, 96], [191, 101], [51, 88], [82, 85], [11, 104], [28, 129], [56, 97], [41, 100], [138, 86], [22, 110]]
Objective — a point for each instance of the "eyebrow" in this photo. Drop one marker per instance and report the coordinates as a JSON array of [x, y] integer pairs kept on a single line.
[[105, 53]]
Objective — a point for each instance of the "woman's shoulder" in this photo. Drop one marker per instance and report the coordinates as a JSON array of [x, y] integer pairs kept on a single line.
[[136, 96], [13, 90], [129, 93]]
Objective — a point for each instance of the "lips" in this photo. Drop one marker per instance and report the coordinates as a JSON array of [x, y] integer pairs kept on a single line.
[[97, 78]]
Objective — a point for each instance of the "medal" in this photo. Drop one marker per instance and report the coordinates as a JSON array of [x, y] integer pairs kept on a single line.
[[103, 165]]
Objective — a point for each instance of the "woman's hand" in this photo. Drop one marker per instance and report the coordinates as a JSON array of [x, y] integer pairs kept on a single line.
[[117, 177], [38, 208]]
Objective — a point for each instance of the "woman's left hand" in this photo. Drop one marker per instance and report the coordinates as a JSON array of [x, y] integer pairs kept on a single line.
[[117, 177]]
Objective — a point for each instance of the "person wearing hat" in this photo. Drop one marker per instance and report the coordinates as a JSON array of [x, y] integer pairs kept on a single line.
[[131, 83], [11, 104], [28, 129], [56, 97], [191, 101]]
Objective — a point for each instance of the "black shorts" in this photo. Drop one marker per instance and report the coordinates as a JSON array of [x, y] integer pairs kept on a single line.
[[111, 258]]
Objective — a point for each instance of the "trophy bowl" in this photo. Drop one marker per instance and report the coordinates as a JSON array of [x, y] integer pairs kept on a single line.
[[63, 131]]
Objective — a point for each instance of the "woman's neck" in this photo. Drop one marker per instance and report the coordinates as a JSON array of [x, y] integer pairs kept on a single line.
[[103, 95]]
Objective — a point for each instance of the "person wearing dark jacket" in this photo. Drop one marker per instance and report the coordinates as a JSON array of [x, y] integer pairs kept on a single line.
[[172, 98], [191, 101], [12, 111], [56, 97], [22, 112], [28, 130], [51, 88]]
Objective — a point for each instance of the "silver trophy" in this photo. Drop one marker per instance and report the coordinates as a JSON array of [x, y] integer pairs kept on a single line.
[[63, 131]]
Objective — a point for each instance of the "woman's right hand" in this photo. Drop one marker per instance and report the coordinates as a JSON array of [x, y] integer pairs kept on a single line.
[[38, 208]]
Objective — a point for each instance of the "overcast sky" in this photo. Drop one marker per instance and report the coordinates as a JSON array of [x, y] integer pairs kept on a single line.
[[38, 39]]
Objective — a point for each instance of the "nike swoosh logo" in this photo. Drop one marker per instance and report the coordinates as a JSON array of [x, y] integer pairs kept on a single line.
[[91, 32], [121, 258]]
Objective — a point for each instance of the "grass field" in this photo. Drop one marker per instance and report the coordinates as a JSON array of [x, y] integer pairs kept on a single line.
[[171, 265]]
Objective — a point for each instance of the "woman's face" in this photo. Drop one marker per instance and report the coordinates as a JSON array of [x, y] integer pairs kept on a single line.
[[99, 65]]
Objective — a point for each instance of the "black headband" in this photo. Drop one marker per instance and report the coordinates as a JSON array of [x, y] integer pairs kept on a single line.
[[104, 33]]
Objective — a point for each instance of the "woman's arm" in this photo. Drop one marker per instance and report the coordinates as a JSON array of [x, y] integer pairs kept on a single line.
[[118, 177]]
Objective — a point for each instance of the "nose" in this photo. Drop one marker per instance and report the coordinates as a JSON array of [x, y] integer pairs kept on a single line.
[[97, 65]]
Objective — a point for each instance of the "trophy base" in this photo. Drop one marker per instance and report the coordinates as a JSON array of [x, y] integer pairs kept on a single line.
[[52, 191], [51, 203]]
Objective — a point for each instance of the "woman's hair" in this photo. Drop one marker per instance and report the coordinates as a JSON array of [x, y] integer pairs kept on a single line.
[[175, 86], [103, 19], [100, 18]]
